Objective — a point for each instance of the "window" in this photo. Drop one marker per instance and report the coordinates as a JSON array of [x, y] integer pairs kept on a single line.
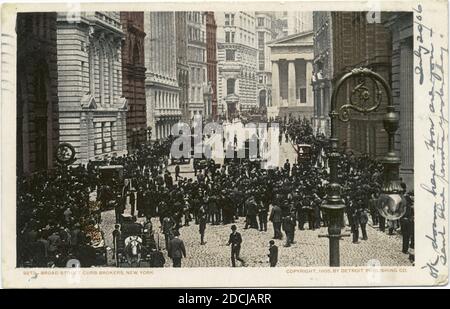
[[302, 95], [232, 19], [230, 55], [227, 19], [261, 60], [227, 37], [232, 37], [260, 79], [260, 21], [230, 85]]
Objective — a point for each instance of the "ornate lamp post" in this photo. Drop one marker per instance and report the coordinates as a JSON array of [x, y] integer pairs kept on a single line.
[[360, 101]]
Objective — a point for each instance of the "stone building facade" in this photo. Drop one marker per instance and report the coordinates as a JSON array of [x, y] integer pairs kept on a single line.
[[197, 65], [181, 29], [264, 34], [322, 71], [37, 97], [402, 83], [133, 77], [292, 22], [237, 62], [92, 109], [211, 59], [161, 85], [359, 43], [292, 94]]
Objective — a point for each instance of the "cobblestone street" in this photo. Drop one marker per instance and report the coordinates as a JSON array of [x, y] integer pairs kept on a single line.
[[309, 249]]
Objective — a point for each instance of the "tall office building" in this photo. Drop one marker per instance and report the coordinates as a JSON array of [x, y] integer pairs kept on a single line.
[[264, 34], [161, 84], [133, 77], [211, 59], [237, 62], [92, 108], [198, 102]]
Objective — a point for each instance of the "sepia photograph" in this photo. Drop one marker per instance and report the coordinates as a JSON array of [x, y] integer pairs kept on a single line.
[[225, 138]]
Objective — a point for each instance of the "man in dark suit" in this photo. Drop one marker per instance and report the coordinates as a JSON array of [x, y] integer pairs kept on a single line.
[[176, 250], [132, 202], [202, 218], [276, 218], [287, 167], [235, 242], [168, 180], [273, 254]]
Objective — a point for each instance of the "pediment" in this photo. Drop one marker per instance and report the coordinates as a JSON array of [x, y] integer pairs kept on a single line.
[[88, 101], [303, 38]]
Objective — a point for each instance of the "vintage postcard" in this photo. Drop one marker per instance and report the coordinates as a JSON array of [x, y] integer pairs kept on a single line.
[[224, 144]]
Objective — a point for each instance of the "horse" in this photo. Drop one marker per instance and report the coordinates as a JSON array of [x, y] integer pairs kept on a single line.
[[133, 250]]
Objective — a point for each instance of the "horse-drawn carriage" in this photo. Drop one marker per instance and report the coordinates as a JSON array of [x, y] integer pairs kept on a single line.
[[135, 245]]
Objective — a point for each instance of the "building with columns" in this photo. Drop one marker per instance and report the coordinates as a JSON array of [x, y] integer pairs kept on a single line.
[[236, 62], [211, 59], [402, 83], [181, 30], [322, 78], [92, 109], [162, 90], [199, 104], [292, 66], [264, 34], [37, 97], [133, 77]]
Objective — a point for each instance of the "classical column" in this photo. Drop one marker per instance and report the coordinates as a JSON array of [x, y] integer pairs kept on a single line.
[[309, 90], [291, 84], [406, 105], [275, 84], [322, 101]]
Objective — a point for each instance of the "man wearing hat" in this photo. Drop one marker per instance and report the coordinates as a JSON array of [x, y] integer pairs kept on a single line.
[[273, 254], [176, 249], [202, 218], [275, 217], [235, 242], [407, 224]]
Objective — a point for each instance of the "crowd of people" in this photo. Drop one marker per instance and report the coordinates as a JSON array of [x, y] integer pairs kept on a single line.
[[57, 219], [54, 208]]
